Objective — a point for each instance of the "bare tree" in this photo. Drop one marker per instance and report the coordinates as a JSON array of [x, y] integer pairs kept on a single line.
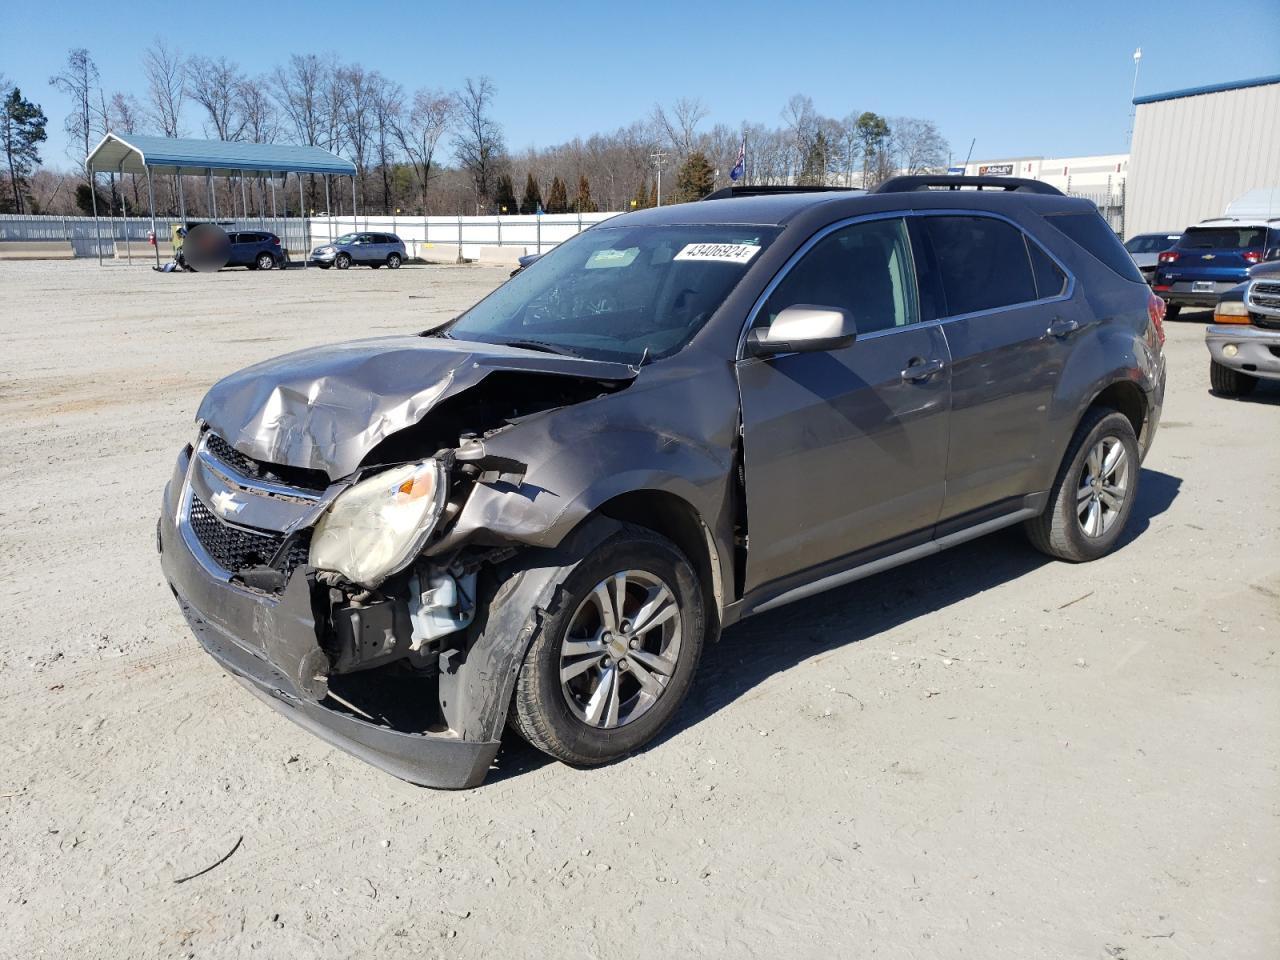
[[478, 141], [124, 114], [920, 147], [802, 124], [78, 80], [300, 91], [261, 122], [388, 102], [679, 125], [419, 132], [215, 85], [166, 87], [357, 118]]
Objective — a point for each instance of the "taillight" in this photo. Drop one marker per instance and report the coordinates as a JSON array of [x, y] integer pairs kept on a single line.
[[1252, 256], [275, 241], [1163, 287], [1169, 256], [1155, 313]]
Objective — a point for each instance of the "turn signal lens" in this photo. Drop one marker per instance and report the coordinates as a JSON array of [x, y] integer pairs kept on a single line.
[[1231, 311]]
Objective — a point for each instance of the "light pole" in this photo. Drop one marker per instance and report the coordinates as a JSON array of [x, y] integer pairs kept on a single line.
[[1133, 110], [659, 158]]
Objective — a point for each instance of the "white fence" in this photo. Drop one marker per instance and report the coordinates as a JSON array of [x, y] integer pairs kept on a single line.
[[431, 238]]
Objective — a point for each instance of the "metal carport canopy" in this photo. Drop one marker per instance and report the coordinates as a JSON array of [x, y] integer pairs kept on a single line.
[[135, 153]]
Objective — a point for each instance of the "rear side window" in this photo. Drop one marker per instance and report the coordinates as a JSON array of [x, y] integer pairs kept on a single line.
[[983, 263], [1090, 231], [1050, 280]]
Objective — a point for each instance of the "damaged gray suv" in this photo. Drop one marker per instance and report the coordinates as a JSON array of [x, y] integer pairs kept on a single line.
[[538, 514]]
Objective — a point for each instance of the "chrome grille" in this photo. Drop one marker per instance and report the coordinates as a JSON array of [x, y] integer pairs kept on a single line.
[[1264, 297]]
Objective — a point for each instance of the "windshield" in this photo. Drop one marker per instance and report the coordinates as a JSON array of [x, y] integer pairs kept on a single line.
[[1223, 238], [1151, 243], [347, 238], [617, 293]]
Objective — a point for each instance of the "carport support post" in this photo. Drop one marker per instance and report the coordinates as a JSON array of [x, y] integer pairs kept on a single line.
[[213, 201], [244, 201], [151, 202], [97, 229], [328, 206], [354, 225], [124, 208], [182, 200], [305, 227]]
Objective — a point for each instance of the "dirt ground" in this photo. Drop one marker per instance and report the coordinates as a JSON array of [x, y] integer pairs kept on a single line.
[[983, 754]]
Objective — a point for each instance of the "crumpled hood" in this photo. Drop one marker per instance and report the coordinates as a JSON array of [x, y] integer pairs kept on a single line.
[[325, 408]]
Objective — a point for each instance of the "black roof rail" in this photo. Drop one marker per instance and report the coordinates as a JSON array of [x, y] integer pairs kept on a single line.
[[951, 182], [764, 190]]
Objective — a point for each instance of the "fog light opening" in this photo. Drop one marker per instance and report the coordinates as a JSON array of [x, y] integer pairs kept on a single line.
[[1230, 350]]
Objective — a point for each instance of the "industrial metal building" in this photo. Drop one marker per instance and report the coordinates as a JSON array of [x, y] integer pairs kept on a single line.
[[1194, 151]]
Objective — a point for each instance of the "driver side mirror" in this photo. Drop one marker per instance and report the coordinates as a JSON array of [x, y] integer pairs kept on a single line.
[[803, 328]]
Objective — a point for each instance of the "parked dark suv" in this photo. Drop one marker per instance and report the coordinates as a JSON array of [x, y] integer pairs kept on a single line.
[[1211, 258], [257, 250], [540, 512]]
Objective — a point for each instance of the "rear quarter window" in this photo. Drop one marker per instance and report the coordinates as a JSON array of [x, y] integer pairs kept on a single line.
[[1090, 231]]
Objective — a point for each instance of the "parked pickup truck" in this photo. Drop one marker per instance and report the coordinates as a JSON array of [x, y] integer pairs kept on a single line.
[[539, 513], [1244, 341]]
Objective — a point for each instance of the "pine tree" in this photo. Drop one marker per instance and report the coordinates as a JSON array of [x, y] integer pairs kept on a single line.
[[504, 197], [531, 202], [814, 171], [583, 202], [695, 178], [557, 197], [22, 130]]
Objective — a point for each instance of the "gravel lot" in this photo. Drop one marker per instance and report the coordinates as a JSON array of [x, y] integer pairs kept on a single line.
[[983, 754]]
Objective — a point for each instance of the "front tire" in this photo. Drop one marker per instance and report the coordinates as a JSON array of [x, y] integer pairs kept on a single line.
[[1093, 495], [615, 657], [1171, 311], [343, 261], [266, 261], [1230, 383]]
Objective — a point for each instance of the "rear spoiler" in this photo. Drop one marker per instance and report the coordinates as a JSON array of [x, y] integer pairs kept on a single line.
[[948, 182]]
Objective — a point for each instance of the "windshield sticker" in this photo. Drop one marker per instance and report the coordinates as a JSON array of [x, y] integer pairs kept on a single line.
[[604, 259], [722, 252]]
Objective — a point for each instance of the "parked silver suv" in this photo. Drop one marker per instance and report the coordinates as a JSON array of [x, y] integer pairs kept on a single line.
[[367, 249], [678, 418]]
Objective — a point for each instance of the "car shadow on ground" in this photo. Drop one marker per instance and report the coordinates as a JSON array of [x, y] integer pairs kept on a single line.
[[751, 652], [1266, 393]]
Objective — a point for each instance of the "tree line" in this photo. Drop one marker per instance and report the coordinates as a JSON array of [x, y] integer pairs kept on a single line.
[[431, 150]]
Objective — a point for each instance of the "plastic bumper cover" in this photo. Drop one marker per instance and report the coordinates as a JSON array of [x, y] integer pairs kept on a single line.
[[1257, 350]]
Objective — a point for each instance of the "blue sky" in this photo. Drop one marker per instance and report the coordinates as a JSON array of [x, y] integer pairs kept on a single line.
[[1036, 79]]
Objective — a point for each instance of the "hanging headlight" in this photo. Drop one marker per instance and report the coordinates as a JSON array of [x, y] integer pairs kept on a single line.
[[377, 526]]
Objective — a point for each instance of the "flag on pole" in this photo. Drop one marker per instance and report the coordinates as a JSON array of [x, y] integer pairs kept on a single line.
[[740, 168]]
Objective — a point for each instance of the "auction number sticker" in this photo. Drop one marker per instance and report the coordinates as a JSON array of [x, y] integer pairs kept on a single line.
[[722, 252]]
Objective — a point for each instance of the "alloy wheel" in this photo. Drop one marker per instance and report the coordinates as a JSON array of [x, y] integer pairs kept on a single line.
[[1104, 485], [620, 650]]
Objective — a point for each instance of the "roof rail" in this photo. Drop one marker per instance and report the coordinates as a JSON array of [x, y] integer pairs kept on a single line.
[[951, 182], [764, 190]]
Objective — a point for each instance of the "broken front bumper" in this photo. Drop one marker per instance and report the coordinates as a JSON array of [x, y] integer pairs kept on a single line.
[[269, 643]]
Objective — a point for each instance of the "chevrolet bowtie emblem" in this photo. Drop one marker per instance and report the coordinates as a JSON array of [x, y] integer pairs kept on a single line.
[[225, 503], [1207, 256]]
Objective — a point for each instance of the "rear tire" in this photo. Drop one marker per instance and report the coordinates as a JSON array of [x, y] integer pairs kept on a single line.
[[1230, 383], [603, 649], [1093, 495], [393, 261]]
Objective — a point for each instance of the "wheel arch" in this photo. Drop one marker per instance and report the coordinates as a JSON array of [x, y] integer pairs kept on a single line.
[[1126, 397], [673, 517]]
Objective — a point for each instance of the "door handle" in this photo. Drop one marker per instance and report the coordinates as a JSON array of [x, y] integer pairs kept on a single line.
[[918, 370], [1062, 328]]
